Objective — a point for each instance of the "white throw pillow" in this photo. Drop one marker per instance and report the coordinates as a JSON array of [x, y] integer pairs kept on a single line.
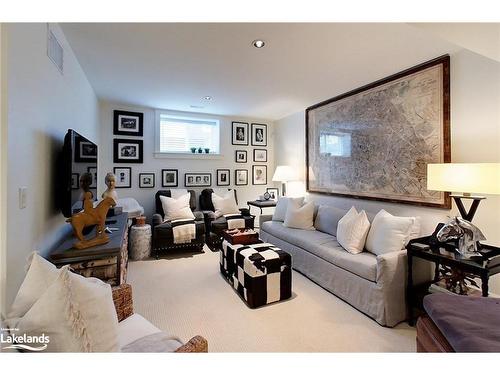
[[225, 205], [390, 233], [299, 217], [176, 209], [76, 313], [41, 274], [352, 230], [281, 207]]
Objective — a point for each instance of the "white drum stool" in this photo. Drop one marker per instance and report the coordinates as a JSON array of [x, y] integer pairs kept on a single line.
[[140, 242]]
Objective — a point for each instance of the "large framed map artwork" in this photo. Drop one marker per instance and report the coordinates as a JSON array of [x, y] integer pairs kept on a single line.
[[375, 142]]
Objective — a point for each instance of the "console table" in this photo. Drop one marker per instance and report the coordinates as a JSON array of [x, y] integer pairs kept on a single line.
[[486, 265], [107, 262]]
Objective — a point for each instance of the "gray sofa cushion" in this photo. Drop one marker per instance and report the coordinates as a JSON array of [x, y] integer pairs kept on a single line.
[[299, 237], [363, 264], [326, 247], [327, 219]]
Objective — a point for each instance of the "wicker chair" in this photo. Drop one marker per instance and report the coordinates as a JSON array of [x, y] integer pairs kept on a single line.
[[163, 238], [122, 298]]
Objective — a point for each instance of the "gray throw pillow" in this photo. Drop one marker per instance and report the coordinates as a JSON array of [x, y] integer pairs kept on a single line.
[[328, 218], [282, 205]]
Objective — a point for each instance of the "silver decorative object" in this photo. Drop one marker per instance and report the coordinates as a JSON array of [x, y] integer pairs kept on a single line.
[[467, 234]]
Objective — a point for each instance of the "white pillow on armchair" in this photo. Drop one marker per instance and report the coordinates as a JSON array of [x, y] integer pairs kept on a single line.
[[225, 205], [176, 209]]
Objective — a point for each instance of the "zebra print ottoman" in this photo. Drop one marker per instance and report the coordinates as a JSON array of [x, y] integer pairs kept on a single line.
[[261, 273]]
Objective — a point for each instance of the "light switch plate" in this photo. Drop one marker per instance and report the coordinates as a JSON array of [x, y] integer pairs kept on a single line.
[[23, 197]]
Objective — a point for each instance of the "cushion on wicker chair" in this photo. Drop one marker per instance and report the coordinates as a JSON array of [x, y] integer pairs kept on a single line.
[[160, 342]]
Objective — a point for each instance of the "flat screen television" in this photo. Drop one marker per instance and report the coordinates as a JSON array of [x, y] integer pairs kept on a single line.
[[79, 171]]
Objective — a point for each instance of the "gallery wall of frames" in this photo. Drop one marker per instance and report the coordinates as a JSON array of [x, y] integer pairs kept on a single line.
[[127, 148]]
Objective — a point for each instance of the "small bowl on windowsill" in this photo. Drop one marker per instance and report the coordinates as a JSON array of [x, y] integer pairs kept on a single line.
[[207, 151], [193, 150]]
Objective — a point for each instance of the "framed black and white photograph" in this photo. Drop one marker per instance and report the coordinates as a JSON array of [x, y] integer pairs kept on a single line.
[[223, 177], [240, 133], [260, 155], [85, 151], [197, 179], [127, 123], [259, 135], [241, 156], [93, 172], [146, 180], [123, 177], [127, 150], [259, 175], [169, 177], [274, 193], [241, 177], [75, 181]]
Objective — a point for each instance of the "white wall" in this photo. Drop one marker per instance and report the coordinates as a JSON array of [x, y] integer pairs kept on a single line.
[[475, 137], [42, 105], [3, 173], [154, 165]]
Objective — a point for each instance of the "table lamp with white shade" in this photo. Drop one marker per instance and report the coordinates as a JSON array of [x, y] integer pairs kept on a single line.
[[468, 179], [283, 174]]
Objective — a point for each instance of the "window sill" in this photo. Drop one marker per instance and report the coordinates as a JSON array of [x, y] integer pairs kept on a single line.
[[165, 155]]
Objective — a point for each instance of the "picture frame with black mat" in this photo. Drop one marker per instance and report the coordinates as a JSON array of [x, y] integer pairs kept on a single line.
[[93, 172], [239, 135], [223, 177], [274, 193], [197, 179], [259, 135], [123, 177], [169, 177], [241, 156], [75, 181], [146, 180], [260, 155], [259, 175], [127, 150], [241, 177], [128, 123]]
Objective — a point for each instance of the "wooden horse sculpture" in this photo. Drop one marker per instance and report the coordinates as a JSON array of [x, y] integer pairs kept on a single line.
[[91, 216]]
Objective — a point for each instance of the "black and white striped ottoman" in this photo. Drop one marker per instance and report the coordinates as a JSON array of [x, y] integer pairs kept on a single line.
[[261, 273]]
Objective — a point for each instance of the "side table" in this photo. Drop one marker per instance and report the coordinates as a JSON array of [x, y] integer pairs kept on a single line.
[[485, 265], [140, 242], [261, 204]]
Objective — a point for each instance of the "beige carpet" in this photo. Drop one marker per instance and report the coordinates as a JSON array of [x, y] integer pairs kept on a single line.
[[186, 296]]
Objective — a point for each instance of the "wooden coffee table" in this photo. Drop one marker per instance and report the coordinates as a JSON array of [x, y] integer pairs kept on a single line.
[[240, 236]]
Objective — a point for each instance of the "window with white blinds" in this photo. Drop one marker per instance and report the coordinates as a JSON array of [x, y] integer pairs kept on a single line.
[[181, 134]]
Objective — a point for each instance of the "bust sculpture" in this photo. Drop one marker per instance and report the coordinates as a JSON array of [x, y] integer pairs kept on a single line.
[[110, 181]]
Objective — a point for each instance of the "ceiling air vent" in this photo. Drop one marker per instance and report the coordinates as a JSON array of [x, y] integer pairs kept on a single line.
[[55, 51]]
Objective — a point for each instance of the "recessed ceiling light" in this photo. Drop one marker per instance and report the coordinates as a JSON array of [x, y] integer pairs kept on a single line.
[[208, 97], [258, 43]]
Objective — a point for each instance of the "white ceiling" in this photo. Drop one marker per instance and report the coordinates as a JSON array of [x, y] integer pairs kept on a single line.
[[173, 66]]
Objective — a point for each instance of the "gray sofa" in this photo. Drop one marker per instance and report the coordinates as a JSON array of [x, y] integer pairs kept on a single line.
[[375, 285]]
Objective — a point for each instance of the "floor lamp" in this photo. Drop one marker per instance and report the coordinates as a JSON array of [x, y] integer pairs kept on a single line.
[[467, 178]]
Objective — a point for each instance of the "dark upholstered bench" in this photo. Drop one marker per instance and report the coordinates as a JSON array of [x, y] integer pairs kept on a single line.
[[454, 323]]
